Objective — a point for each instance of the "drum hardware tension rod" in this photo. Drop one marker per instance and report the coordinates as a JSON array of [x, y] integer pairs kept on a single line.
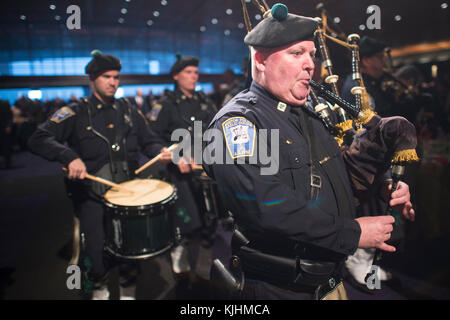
[[104, 181], [152, 161]]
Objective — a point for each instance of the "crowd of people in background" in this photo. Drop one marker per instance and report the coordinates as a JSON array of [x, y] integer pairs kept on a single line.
[[425, 104]]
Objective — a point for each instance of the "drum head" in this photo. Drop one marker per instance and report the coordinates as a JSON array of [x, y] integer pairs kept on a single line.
[[140, 192]]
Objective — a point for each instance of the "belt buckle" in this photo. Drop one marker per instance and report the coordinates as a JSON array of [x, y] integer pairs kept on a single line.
[[316, 181]]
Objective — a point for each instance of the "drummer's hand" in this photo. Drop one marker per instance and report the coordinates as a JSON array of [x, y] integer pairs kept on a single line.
[[401, 200], [77, 169], [184, 166], [166, 156]]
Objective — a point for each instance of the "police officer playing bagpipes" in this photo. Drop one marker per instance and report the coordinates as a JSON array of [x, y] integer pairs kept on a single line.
[[181, 109], [103, 135], [295, 225]]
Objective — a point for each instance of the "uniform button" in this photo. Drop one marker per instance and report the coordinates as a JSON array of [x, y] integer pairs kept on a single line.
[[235, 262], [297, 160], [190, 128], [332, 283], [192, 118]]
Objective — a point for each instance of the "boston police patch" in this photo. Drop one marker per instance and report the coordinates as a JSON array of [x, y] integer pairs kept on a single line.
[[240, 137], [62, 114]]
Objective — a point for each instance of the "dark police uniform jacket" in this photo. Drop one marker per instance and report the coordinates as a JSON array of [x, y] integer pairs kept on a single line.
[[275, 211], [91, 129], [177, 111]]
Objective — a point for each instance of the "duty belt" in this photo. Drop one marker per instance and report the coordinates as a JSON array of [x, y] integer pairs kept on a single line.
[[298, 273]]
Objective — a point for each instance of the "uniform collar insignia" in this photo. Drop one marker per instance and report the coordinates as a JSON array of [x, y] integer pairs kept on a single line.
[[281, 106]]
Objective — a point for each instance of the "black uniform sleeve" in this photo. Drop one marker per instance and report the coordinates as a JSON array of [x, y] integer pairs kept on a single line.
[[49, 138], [148, 140], [274, 210]]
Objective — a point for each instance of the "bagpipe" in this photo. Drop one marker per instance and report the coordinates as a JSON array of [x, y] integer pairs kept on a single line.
[[370, 144]]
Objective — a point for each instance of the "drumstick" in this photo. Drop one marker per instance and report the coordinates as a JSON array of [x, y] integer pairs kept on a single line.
[[149, 163], [104, 181], [197, 167]]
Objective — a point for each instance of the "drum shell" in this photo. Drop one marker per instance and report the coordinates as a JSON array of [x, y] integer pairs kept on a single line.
[[139, 232]]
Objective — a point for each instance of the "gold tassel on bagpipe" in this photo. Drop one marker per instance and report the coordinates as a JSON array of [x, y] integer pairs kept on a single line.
[[408, 155], [367, 115], [344, 126]]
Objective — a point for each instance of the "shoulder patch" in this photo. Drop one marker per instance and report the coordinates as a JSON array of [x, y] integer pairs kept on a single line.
[[62, 114], [155, 111], [240, 137]]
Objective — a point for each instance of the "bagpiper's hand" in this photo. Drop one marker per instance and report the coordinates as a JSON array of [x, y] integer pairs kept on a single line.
[[401, 200], [375, 231]]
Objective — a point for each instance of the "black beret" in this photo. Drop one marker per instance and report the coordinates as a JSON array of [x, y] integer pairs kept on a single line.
[[183, 62], [102, 62], [281, 28], [370, 46]]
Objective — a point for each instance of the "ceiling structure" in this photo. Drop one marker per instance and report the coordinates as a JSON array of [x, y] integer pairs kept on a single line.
[[403, 22]]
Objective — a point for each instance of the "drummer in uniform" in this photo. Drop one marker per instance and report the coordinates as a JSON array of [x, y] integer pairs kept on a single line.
[[102, 135], [179, 110]]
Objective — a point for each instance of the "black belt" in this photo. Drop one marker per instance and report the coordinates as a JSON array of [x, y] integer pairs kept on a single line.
[[296, 274]]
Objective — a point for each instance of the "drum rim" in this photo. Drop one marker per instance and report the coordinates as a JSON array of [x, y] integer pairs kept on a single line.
[[172, 197], [142, 256]]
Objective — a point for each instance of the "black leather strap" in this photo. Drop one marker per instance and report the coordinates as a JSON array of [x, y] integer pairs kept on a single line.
[[316, 180], [343, 198]]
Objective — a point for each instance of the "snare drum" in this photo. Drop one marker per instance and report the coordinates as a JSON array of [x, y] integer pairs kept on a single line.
[[138, 223]]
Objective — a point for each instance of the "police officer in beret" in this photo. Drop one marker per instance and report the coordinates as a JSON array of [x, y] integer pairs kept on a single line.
[[294, 214], [180, 109], [103, 135]]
